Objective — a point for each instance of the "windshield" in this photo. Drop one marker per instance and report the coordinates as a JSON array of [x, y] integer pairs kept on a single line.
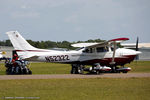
[[79, 48]]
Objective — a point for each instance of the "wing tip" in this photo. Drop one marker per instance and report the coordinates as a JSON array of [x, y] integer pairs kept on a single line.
[[120, 39]]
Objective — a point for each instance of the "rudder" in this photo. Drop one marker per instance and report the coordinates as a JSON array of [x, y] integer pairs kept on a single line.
[[18, 42]]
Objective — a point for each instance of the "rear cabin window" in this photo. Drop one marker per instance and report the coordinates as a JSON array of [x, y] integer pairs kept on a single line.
[[101, 49]]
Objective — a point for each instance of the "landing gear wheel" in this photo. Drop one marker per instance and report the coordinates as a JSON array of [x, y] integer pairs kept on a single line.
[[113, 69], [97, 72], [73, 71], [125, 72], [25, 71], [77, 69], [30, 72]]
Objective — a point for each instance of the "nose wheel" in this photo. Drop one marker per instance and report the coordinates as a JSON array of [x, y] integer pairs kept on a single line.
[[114, 69]]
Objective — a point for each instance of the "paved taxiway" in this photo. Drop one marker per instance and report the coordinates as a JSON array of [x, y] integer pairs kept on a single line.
[[73, 76]]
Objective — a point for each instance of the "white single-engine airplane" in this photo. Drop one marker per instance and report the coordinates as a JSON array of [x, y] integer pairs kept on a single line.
[[99, 55]]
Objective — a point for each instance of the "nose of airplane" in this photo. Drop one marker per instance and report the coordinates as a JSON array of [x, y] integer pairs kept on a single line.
[[133, 52], [137, 52], [129, 52]]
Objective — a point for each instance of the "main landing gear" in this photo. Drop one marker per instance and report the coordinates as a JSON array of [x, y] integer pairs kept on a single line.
[[77, 69]]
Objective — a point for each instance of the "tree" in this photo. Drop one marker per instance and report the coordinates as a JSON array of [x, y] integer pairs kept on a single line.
[[50, 44]]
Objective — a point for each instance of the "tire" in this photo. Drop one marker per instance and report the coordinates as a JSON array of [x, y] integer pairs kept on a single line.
[[30, 72], [124, 72], [97, 72], [77, 69], [24, 71], [8, 71], [12, 71], [73, 71], [82, 71], [17, 70]]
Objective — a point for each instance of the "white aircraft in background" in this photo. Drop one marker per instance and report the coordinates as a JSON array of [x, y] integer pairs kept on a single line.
[[99, 55], [2, 55]]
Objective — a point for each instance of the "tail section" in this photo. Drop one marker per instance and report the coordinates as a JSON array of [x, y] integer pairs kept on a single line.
[[18, 42]]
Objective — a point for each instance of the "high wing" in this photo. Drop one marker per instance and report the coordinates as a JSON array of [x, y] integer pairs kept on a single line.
[[101, 44], [79, 45]]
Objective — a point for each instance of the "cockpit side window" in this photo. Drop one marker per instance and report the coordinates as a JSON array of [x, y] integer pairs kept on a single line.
[[78, 49], [88, 50]]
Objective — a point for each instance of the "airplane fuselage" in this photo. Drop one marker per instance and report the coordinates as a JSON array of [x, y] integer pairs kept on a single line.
[[122, 56], [95, 54]]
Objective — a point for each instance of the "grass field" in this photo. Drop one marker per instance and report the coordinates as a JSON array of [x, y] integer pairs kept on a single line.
[[139, 66], [53, 68], [78, 89]]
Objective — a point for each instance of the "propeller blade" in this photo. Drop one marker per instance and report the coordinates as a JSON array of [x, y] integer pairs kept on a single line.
[[137, 47], [137, 44]]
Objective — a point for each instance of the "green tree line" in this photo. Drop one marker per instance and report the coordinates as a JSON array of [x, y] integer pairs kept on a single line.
[[51, 44]]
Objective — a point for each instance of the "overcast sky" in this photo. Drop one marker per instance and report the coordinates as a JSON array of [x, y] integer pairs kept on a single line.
[[74, 20]]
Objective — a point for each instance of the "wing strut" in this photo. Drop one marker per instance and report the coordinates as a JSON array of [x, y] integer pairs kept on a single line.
[[114, 52]]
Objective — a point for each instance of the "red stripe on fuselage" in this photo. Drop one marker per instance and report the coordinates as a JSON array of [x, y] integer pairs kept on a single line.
[[31, 50], [106, 61]]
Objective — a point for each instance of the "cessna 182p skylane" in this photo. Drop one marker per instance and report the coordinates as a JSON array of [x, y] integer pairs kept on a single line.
[[98, 55]]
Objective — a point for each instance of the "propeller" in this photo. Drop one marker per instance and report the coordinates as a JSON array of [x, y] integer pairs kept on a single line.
[[137, 44], [137, 47]]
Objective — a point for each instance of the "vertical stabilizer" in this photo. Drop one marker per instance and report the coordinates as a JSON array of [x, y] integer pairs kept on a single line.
[[18, 42]]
